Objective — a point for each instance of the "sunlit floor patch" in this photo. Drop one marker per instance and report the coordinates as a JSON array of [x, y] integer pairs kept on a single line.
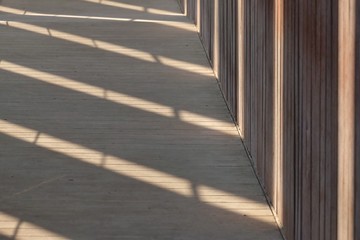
[[110, 47], [125, 51], [133, 7], [18, 229], [175, 24], [120, 98], [206, 194]]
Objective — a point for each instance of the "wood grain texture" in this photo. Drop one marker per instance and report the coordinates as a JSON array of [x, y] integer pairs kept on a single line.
[[346, 118], [357, 125]]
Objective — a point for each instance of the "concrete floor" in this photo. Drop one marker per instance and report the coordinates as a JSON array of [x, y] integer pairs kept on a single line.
[[112, 126]]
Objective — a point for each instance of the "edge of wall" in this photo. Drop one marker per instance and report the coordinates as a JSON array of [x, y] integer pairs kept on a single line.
[[266, 195]]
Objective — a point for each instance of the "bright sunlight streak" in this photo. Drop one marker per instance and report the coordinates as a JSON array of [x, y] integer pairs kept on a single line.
[[225, 127], [14, 228], [206, 194]]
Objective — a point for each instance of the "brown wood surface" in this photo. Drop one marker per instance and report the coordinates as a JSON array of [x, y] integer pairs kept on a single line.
[[346, 118], [296, 106]]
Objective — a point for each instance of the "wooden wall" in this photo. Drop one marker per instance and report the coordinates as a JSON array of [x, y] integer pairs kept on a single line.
[[206, 25], [289, 71], [227, 52], [309, 119], [189, 7]]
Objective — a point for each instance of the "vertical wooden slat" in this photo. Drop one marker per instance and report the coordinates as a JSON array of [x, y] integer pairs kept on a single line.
[[269, 103], [298, 77], [357, 125], [259, 90], [321, 30], [288, 118], [241, 46], [316, 125], [346, 117], [306, 119], [216, 39], [247, 74], [198, 23], [253, 97], [277, 105], [332, 126], [296, 45]]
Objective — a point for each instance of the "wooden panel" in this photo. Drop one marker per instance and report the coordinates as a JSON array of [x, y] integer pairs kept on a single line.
[[241, 48], [346, 118], [357, 126], [227, 52], [302, 114], [206, 26], [290, 81], [295, 107], [247, 73], [279, 186], [309, 142]]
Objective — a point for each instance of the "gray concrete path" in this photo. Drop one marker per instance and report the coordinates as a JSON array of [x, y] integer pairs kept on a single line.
[[112, 126]]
